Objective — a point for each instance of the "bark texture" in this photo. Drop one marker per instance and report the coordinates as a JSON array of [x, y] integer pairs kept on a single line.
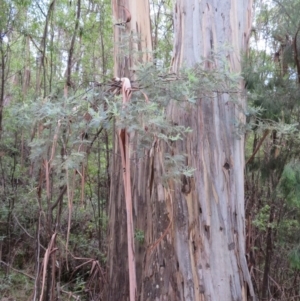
[[209, 219], [132, 19], [132, 33], [193, 248]]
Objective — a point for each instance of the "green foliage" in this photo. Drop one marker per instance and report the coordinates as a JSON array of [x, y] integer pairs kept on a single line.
[[273, 176], [162, 31], [21, 284], [44, 124], [144, 116], [294, 258], [84, 237], [139, 236], [262, 218], [290, 183], [268, 89]]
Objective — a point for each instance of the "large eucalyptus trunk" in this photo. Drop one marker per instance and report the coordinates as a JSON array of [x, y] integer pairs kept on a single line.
[[194, 234], [209, 233]]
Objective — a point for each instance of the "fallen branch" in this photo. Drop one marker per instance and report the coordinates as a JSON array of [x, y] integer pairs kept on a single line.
[[70, 294]]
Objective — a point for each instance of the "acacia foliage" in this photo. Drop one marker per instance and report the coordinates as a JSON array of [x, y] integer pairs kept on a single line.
[[53, 179]]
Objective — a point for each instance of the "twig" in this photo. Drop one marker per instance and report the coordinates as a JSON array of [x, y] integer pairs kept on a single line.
[[18, 271], [258, 146], [71, 295], [60, 197], [96, 136], [14, 216], [160, 238]]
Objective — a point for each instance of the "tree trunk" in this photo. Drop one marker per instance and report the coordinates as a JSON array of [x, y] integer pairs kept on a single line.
[[132, 28], [268, 257], [194, 238], [209, 235]]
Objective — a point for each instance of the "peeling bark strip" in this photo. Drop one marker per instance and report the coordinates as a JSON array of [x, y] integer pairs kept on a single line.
[[51, 248], [127, 17], [119, 243], [124, 144]]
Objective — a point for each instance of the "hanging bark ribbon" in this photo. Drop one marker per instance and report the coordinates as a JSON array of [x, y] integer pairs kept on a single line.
[[124, 143]]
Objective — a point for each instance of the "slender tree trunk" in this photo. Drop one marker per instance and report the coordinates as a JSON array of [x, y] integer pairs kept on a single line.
[[3, 60], [72, 48], [268, 258]]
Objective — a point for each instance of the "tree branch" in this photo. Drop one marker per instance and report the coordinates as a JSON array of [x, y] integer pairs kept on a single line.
[[258, 146]]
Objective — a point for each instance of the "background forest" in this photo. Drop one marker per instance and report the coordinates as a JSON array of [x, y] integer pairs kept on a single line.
[[58, 112]]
